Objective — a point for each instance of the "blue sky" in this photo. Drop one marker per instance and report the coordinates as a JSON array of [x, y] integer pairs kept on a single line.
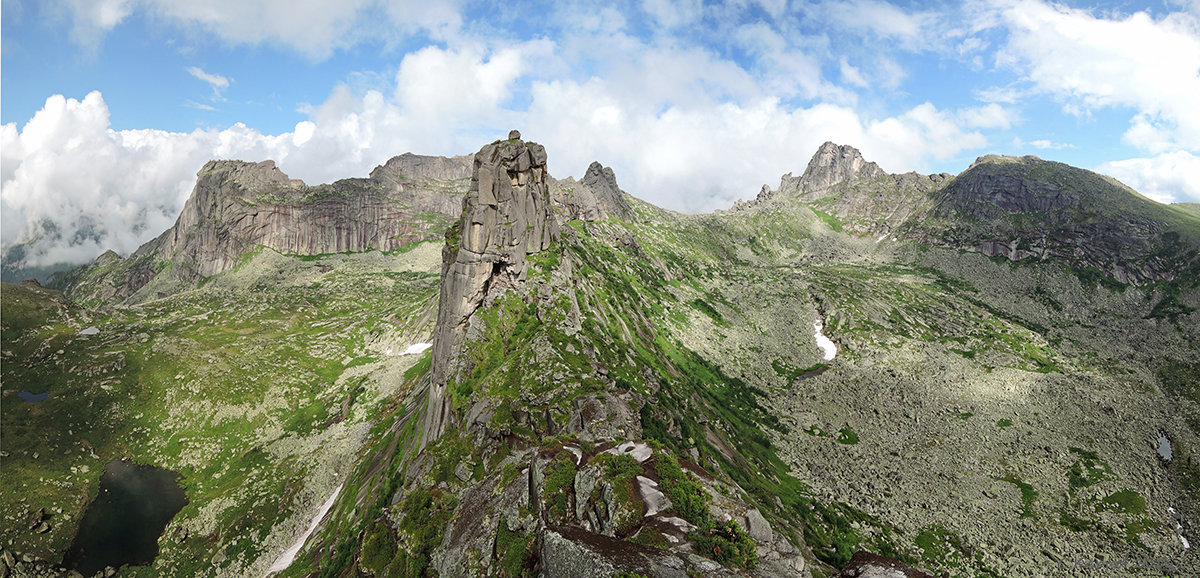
[[109, 107]]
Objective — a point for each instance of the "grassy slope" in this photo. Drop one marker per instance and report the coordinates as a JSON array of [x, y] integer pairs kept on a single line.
[[256, 388], [957, 377]]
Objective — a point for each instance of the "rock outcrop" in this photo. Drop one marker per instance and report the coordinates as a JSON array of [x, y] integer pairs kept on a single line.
[[237, 206], [596, 197], [867, 565], [866, 199], [832, 165], [1025, 207], [1013, 207], [505, 217]]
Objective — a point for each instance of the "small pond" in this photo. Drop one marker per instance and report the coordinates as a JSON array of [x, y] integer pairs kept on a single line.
[[1165, 452], [123, 523], [33, 397]]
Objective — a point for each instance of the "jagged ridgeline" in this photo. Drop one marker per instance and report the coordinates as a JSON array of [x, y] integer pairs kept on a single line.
[[987, 374]]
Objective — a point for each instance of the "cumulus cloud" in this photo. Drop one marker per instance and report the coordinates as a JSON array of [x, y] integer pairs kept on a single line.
[[1167, 178], [704, 158], [315, 28], [77, 187], [83, 187], [1088, 62], [216, 81]]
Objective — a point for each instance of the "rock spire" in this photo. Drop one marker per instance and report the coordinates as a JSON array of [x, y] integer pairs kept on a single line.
[[506, 215], [831, 165]]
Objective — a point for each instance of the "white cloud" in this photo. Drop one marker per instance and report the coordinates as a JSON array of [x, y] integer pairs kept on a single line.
[[851, 75], [216, 81], [442, 18], [1149, 65], [1000, 94], [1040, 144], [883, 20], [315, 28], [674, 13], [92, 19], [101, 188], [989, 115], [702, 158], [106, 189], [1170, 177]]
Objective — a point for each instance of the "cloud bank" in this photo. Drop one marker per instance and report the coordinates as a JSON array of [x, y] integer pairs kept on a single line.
[[694, 112]]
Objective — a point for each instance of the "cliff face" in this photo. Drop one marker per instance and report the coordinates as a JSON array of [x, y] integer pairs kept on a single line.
[[238, 206], [505, 217], [1030, 208], [832, 165]]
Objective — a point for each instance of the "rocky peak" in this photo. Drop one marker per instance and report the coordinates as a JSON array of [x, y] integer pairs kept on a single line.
[[422, 168], [833, 164], [596, 197], [248, 176], [505, 217]]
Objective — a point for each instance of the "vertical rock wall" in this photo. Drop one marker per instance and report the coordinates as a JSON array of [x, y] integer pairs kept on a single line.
[[506, 215]]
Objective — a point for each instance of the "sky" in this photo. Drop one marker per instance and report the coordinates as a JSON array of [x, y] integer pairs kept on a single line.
[[108, 108]]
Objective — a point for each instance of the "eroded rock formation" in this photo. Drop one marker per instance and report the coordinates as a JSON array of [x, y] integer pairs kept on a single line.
[[596, 197], [832, 165], [237, 206], [505, 217]]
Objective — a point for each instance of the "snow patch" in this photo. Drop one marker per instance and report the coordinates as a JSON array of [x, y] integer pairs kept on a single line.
[[881, 237], [90, 331], [826, 344], [289, 555], [417, 348]]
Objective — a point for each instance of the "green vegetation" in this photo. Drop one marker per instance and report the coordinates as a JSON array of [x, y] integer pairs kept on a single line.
[[830, 220], [726, 543], [1088, 469], [1124, 502], [688, 497], [232, 385], [790, 373], [1028, 494], [557, 488], [378, 550], [703, 307], [422, 524], [847, 436], [514, 551]]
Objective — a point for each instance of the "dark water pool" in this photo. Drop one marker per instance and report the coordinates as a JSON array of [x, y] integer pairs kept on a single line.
[[123, 523], [33, 397]]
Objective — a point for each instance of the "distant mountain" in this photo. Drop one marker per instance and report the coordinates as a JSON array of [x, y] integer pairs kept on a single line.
[[1016, 208], [236, 207]]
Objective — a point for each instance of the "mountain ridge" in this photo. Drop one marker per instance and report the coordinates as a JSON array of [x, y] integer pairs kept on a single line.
[[605, 372]]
